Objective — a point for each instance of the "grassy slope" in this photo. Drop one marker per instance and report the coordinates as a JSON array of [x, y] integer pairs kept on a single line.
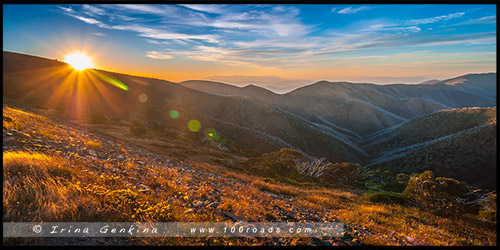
[[59, 171]]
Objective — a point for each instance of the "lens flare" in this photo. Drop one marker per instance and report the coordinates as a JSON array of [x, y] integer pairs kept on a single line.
[[108, 78], [79, 61], [143, 98], [174, 114], [211, 134], [194, 125]]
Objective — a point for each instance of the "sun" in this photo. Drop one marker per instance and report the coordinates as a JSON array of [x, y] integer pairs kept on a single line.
[[79, 61]]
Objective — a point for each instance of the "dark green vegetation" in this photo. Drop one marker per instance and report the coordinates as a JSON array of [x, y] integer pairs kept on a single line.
[[441, 195]]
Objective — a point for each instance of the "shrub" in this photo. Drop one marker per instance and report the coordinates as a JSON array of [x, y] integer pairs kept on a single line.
[[280, 163], [490, 215], [315, 168], [442, 195], [387, 197], [345, 173], [397, 185]]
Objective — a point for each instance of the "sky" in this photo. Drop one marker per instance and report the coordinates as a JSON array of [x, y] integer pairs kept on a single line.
[[358, 43]]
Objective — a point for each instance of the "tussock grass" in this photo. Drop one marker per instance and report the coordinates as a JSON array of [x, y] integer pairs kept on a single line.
[[38, 187], [249, 203], [308, 204], [48, 187], [93, 144], [277, 189], [240, 176], [323, 201]]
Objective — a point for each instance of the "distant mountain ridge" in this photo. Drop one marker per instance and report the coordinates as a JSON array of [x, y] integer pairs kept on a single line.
[[363, 123], [377, 106]]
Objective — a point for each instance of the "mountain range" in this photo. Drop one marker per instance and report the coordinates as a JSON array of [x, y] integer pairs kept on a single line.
[[448, 126]]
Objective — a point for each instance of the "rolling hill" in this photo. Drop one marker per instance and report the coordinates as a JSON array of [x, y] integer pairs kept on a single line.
[[459, 143], [250, 127], [400, 127], [363, 109]]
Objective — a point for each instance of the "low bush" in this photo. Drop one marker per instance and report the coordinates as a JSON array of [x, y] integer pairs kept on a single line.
[[444, 196], [387, 197], [490, 215]]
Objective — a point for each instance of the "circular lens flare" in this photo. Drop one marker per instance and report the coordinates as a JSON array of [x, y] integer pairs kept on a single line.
[[194, 125], [174, 114], [79, 61], [143, 97], [211, 134]]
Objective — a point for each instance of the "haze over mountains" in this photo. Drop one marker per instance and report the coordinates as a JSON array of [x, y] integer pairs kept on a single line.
[[273, 83], [405, 127]]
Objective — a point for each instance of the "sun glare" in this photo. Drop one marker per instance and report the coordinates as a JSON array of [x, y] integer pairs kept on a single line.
[[79, 61]]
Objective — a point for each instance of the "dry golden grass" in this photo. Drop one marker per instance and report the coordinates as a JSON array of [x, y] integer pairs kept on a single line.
[[38, 187], [322, 200], [277, 189], [41, 187], [47, 134], [248, 202], [93, 144], [30, 123], [424, 227], [308, 204], [49, 187], [240, 176]]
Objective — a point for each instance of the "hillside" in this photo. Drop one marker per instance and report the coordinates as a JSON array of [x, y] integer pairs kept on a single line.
[[364, 109], [374, 125], [66, 171], [248, 126], [459, 143], [216, 88], [477, 83]]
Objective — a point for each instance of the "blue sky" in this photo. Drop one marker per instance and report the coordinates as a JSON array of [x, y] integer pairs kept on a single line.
[[367, 43]]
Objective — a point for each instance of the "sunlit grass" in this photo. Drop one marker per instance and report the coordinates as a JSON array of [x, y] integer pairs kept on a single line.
[[277, 189], [93, 144], [45, 186]]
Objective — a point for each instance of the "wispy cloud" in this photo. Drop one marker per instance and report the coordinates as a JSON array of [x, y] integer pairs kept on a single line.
[[158, 55], [434, 19], [208, 8], [68, 9], [93, 11], [85, 19], [152, 9], [264, 36], [351, 10], [153, 41], [481, 20], [99, 34]]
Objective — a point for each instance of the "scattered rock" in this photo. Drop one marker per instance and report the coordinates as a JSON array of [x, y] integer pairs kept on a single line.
[[198, 203], [320, 242], [234, 217], [144, 188], [213, 204]]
